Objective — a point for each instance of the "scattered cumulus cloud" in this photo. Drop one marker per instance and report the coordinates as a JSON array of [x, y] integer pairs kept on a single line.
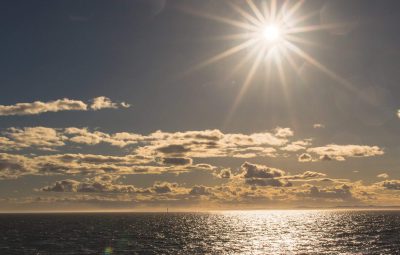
[[305, 157], [91, 186], [261, 175], [283, 132]]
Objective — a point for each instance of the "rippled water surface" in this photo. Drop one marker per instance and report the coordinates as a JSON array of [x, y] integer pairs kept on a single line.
[[245, 232]]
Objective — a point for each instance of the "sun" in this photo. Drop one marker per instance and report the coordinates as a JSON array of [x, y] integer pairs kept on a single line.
[[271, 33]]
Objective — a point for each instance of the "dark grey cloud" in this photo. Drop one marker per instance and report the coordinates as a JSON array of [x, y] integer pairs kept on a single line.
[[268, 182], [164, 187], [342, 193], [177, 161], [173, 149], [96, 185], [199, 190], [391, 184], [259, 171]]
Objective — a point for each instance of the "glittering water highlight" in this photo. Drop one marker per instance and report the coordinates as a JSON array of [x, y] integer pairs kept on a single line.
[[242, 232]]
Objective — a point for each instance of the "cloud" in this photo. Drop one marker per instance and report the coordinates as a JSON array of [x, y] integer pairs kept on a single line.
[[268, 182], [297, 146], [164, 187], [307, 175], [92, 186], [65, 104], [383, 175], [283, 132], [12, 166], [210, 143], [225, 173], [199, 190], [39, 107], [318, 125], [174, 149], [305, 157], [42, 138], [177, 161], [103, 102], [84, 136], [260, 175], [259, 192], [260, 171], [108, 184], [391, 184], [342, 193], [340, 152], [190, 144]]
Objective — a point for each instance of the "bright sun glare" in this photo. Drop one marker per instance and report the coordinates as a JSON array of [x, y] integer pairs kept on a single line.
[[273, 33]]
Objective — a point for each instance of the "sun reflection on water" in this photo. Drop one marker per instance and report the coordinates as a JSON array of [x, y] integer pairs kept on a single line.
[[229, 232], [278, 232]]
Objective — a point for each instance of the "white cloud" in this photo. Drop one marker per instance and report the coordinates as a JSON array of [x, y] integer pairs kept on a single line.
[[383, 175], [340, 152], [103, 102], [318, 125], [283, 132], [39, 107], [297, 145], [306, 175], [305, 157], [65, 104], [42, 138]]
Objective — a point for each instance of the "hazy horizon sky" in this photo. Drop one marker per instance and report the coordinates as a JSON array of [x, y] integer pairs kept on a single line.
[[137, 104]]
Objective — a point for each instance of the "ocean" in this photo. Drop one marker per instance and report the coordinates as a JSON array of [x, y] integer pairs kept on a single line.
[[230, 232]]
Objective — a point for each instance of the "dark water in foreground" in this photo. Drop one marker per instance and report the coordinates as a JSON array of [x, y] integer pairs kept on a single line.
[[267, 232]]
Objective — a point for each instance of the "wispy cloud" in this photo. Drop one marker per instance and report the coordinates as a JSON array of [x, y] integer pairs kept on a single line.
[[383, 176], [318, 125], [65, 104], [102, 102], [341, 152]]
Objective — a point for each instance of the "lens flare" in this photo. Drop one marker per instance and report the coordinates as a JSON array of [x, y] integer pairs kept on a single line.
[[275, 32]]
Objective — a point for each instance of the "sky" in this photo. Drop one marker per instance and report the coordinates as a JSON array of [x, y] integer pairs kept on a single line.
[[199, 104]]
